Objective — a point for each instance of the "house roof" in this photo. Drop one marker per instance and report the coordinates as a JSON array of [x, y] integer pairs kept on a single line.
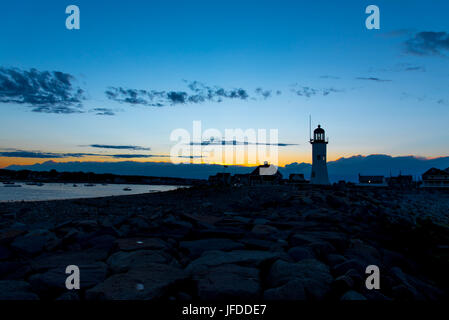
[[436, 172]]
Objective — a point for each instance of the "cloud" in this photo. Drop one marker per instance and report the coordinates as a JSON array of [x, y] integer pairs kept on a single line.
[[41, 155], [43, 91], [196, 93], [428, 43], [52, 155], [329, 77], [103, 111], [265, 94], [308, 92], [373, 79], [106, 146]]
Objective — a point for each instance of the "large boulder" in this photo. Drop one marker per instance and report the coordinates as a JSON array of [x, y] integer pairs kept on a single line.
[[52, 282], [241, 257], [292, 290], [197, 247], [151, 282], [301, 253], [29, 244], [314, 276], [6, 236], [122, 261], [16, 290], [229, 282], [363, 253], [132, 244], [62, 260]]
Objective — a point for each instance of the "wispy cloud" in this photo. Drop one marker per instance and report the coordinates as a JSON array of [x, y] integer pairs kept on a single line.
[[195, 93], [103, 111], [428, 43], [107, 146], [41, 155], [373, 79], [43, 91], [54, 155], [308, 92]]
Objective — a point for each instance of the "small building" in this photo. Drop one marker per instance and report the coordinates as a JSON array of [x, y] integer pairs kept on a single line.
[[401, 181], [264, 174], [297, 178], [372, 181], [241, 179], [221, 178], [435, 178]]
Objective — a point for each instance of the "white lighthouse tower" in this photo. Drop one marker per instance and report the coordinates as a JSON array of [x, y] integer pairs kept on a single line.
[[319, 168]]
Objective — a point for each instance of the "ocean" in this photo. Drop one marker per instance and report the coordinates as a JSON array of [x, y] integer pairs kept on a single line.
[[58, 191]]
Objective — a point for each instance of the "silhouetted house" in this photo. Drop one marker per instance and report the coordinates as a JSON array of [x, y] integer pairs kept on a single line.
[[221, 178], [264, 174], [241, 179], [297, 178], [436, 178], [401, 181], [373, 181]]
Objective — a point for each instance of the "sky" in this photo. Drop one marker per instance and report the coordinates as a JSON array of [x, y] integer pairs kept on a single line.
[[135, 71]]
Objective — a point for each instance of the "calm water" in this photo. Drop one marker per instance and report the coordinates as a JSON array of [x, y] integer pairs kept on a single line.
[[54, 191]]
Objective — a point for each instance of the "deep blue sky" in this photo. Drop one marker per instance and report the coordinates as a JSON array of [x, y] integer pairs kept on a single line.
[[382, 95]]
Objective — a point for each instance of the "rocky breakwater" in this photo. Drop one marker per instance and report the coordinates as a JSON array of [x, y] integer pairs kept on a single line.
[[260, 243]]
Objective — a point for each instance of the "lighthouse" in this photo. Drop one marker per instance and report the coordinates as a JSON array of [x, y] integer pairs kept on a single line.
[[319, 168]]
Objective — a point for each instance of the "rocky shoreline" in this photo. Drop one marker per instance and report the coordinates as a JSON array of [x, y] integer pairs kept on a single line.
[[213, 244]]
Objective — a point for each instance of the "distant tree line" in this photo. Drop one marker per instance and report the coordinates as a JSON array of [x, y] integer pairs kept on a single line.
[[90, 177]]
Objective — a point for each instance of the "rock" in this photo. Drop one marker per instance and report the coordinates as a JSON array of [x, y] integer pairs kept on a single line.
[[334, 259], [105, 242], [229, 282], [7, 236], [52, 282], [122, 261], [260, 244], [150, 282], [16, 290], [335, 202], [87, 225], [263, 229], [406, 289], [139, 223], [132, 244], [299, 240], [313, 274], [29, 245], [342, 284], [260, 221], [357, 278], [300, 253], [197, 247], [343, 267], [241, 257], [62, 260], [13, 270], [352, 295], [363, 253], [322, 249], [5, 253], [292, 290]]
